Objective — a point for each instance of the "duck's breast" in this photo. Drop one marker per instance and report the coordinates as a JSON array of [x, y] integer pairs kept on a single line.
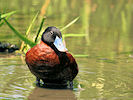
[[41, 54]]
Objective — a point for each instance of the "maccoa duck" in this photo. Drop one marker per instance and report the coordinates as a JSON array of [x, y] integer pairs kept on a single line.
[[7, 47], [50, 61]]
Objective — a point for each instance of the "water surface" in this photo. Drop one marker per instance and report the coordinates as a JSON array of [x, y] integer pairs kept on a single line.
[[103, 53]]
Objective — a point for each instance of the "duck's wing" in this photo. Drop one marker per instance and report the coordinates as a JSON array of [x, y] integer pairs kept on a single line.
[[69, 68]]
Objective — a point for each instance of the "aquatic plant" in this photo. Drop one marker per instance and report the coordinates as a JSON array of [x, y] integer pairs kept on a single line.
[[69, 24], [22, 37], [23, 45], [25, 39], [38, 33], [6, 15]]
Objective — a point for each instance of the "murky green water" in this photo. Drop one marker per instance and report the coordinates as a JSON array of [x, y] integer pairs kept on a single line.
[[106, 71]]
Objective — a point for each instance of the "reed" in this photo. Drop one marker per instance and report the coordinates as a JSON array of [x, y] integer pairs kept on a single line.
[[0, 17], [69, 24], [38, 33], [6, 15], [73, 35], [22, 37], [23, 45]]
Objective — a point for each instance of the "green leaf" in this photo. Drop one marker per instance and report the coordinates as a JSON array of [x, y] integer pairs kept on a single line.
[[23, 46], [1, 24], [27, 41], [3, 21], [7, 14], [39, 29], [73, 35], [0, 17], [69, 24], [81, 55], [29, 28]]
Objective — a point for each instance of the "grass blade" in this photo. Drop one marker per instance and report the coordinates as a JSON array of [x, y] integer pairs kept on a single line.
[[73, 35], [81, 56], [69, 24], [39, 29], [0, 17], [7, 14], [31, 24], [27, 32], [3, 21], [27, 41]]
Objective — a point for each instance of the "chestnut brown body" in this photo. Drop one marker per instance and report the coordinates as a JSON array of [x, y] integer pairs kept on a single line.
[[45, 64]]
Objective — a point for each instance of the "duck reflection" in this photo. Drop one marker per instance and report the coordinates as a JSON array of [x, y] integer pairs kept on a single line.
[[51, 94]]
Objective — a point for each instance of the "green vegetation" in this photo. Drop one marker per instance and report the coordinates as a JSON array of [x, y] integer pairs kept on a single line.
[[23, 45], [25, 38], [98, 19], [101, 39], [6, 15], [39, 30], [69, 24]]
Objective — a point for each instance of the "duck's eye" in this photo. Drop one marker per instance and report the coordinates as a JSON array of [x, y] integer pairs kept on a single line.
[[51, 32]]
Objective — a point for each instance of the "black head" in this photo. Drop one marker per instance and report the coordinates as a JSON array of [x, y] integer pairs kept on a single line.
[[50, 34]]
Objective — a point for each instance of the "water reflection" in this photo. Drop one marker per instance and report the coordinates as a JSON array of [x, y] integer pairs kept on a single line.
[[99, 84], [16, 80], [51, 94]]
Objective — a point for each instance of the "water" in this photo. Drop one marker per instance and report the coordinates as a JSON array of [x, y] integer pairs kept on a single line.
[[104, 54]]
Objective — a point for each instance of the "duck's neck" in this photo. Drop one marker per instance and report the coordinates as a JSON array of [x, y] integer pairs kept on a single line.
[[56, 50], [62, 55]]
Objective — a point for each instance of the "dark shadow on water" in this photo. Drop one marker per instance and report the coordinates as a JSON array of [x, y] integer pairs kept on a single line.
[[51, 94]]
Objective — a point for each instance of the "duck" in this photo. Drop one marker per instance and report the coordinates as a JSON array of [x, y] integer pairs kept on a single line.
[[51, 62], [7, 47]]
